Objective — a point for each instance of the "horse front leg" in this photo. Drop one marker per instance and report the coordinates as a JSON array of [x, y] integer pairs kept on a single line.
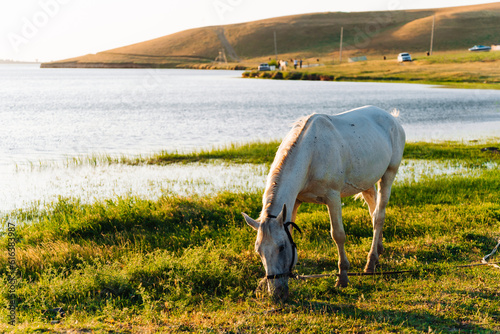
[[338, 234], [294, 214], [295, 208]]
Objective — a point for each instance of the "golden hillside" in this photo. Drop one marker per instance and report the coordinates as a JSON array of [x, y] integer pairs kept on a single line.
[[310, 35]]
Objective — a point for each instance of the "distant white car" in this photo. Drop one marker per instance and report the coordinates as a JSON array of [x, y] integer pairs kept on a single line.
[[480, 48], [404, 57], [264, 67]]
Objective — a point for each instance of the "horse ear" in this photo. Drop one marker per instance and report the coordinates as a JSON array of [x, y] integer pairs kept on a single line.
[[252, 223], [282, 216]]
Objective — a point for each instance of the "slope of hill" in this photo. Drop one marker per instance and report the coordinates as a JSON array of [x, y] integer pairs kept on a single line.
[[309, 35]]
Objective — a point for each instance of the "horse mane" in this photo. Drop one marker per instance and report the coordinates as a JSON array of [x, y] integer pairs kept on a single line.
[[284, 151]]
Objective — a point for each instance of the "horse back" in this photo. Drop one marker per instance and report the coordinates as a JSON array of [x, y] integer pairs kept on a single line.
[[363, 129], [355, 147]]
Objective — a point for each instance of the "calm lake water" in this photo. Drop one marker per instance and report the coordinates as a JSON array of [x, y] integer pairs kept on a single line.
[[55, 114]]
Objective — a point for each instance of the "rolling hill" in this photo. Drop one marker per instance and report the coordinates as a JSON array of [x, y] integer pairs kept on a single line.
[[308, 36]]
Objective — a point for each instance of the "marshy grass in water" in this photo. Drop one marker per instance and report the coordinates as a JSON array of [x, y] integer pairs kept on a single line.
[[413, 170], [257, 152], [187, 262], [97, 182]]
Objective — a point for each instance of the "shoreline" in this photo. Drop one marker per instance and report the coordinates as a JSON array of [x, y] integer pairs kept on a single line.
[[453, 70], [456, 70], [126, 65], [306, 76]]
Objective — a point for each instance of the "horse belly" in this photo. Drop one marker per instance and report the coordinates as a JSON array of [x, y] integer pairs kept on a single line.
[[316, 191], [349, 190]]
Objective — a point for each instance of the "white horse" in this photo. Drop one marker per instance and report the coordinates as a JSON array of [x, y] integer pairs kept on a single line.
[[322, 159], [283, 65]]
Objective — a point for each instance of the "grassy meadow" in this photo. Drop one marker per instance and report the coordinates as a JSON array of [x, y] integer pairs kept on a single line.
[[187, 264], [451, 69]]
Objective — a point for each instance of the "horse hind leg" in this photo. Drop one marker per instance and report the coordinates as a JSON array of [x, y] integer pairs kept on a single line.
[[378, 218]]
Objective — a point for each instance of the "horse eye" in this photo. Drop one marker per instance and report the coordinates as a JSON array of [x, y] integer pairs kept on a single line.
[[282, 248]]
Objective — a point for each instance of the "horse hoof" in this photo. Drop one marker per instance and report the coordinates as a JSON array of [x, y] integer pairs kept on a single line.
[[342, 282], [369, 269], [371, 264]]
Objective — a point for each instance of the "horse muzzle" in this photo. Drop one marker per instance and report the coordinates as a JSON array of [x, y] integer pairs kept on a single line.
[[278, 288]]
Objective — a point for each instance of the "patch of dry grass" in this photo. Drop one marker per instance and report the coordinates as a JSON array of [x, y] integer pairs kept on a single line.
[[455, 69]]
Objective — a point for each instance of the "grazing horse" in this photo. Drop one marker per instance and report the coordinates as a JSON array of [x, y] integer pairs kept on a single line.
[[322, 159]]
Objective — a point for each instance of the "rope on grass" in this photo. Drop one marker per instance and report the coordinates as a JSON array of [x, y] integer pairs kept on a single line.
[[485, 259], [378, 273], [261, 290], [484, 262]]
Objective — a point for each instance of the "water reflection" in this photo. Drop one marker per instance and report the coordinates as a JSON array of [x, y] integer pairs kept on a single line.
[[35, 187], [52, 113], [30, 186]]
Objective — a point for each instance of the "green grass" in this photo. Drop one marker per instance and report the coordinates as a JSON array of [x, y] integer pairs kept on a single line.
[[255, 152], [468, 152], [186, 264]]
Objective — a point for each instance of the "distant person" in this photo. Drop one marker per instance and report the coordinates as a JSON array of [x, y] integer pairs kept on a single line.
[[300, 62], [385, 57], [295, 63]]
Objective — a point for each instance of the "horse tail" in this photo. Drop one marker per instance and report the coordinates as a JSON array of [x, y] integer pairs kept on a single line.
[[395, 113], [358, 196]]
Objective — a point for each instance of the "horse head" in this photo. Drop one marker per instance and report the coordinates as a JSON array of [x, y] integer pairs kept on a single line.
[[277, 250]]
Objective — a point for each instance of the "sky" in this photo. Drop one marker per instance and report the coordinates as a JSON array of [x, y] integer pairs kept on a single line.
[[45, 30]]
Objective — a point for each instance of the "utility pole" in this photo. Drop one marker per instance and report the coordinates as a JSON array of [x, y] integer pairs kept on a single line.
[[432, 33], [221, 58], [341, 37], [275, 46]]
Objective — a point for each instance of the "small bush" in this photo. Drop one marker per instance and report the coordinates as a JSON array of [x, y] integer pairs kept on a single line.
[[310, 76], [265, 75], [274, 62], [325, 77], [277, 75]]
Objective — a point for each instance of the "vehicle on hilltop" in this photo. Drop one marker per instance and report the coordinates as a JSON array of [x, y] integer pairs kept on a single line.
[[404, 56], [480, 48]]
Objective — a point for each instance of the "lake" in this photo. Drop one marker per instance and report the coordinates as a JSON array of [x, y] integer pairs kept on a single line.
[[50, 115]]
